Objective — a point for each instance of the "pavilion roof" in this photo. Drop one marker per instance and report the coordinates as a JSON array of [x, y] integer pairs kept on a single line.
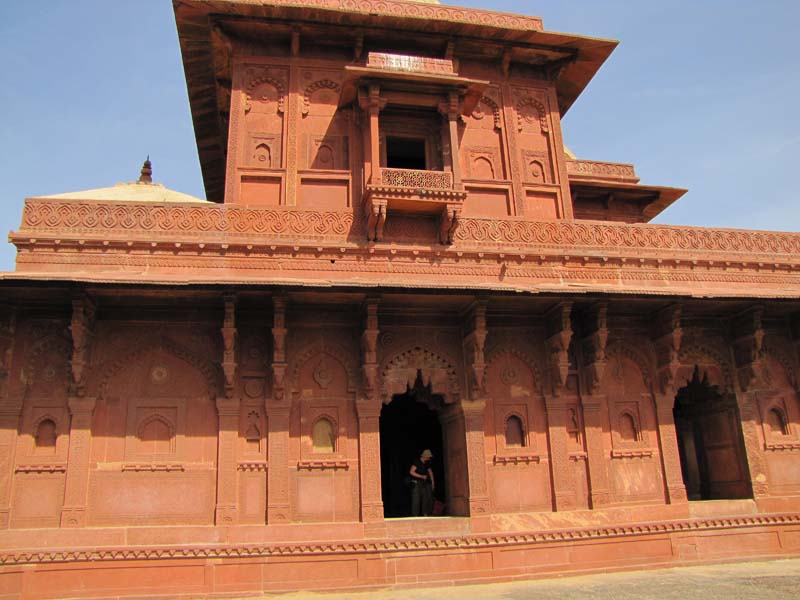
[[575, 59]]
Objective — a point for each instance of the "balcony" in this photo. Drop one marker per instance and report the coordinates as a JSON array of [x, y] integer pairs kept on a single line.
[[413, 192]]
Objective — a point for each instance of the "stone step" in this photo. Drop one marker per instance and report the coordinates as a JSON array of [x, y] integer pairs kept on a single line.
[[722, 508]]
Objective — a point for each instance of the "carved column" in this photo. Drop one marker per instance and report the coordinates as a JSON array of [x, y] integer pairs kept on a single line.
[[452, 110], [369, 458], [474, 411], [10, 411], [474, 408], [277, 410], [228, 415], [73, 513], [369, 412], [748, 353], [559, 335], [667, 336], [375, 210]]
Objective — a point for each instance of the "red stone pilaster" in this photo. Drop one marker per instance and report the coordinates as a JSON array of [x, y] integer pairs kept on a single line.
[[9, 421], [278, 409], [474, 415], [226, 512], [756, 461], [675, 491], [278, 509], [594, 409], [369, 460], [563, 481], [73, 513]]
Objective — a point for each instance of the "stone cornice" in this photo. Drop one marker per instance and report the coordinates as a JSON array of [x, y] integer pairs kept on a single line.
[[393, 546]]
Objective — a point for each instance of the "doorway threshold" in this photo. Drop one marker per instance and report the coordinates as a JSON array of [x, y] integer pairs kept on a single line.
[[722, 508], [410, 527]]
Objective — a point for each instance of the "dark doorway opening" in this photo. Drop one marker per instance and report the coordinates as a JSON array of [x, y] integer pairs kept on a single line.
[[408, 425], [405, 153], [710, 442]]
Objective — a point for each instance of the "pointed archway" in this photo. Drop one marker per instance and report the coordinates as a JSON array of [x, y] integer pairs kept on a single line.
[[710, 442], [409, 424]]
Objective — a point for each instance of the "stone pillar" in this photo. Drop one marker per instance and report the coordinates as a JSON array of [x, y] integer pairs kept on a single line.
[[473, 411], [278, 509], [373, 103], [9, 422], [369, 460], [455, 159], [756, 461], [597, 458], [369, 412], [675, 491], [278, 409], [226, 512], [73, 513], [560, 468]]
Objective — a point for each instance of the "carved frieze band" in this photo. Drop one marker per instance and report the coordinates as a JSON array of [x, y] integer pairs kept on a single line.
[[73, 217], [391, 546], [423, 11], [592, 168]]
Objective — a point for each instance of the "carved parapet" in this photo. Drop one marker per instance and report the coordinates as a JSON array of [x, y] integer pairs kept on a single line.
[[229, 338], [409, 63], [590, 169], [82, 331], [667, 335], [474, 343], [748, 348], [595, 340], [559, 336]]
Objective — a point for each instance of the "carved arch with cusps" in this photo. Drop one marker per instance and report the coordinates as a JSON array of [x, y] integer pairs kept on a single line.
[[528, 359], [320, 84], [319, 349], [256, 80], [206, 368], [399, 372], [538, 107], [622, 349], [694, 349]]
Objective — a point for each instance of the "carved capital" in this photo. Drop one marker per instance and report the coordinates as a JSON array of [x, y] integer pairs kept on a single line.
[[559, 336], [595, 340], [228, 407], [82, 331], [229, 339], [279, 332], [748, 348], [474, 344], [370, 99], [369, 353], [667, 335], [81, 406]]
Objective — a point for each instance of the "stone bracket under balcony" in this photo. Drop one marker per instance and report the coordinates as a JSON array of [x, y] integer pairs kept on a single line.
[[413, 192]]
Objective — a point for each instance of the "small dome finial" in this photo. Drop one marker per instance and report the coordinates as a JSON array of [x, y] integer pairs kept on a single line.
[[147, 172]]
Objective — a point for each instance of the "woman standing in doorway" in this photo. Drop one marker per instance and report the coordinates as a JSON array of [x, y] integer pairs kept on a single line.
[[422, 485]]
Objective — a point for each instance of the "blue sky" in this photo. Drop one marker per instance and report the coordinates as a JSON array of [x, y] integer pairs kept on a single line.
[[701, 94]]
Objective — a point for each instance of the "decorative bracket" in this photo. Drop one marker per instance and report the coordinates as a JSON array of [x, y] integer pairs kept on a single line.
[[376, 218], [748, 348], [559, 336], [667, 336], [474, 343], [448, 223], [595, 341], [229, 338], [279, 332], [369, 353], [82, 330]]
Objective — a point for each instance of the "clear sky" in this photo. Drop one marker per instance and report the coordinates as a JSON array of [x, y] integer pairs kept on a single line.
[[701, 94]]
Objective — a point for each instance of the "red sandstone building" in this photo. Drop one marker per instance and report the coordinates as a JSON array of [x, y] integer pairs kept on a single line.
[[223, 396]]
